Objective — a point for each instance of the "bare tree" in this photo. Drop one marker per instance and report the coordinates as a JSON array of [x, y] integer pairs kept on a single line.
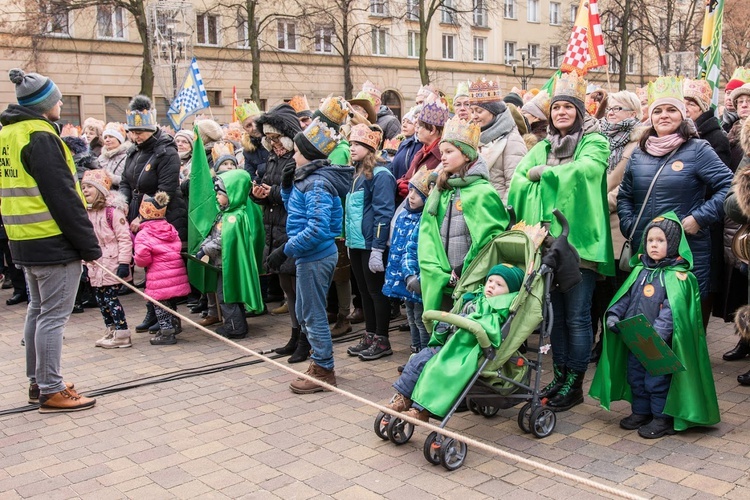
[[671, 26], [622, 29], [736, 38]]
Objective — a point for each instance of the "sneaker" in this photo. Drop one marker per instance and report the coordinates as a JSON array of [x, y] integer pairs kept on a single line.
[[399, 403], [379, 348], [34, 391], [120, 339], [422, 415], [110, 332], [282, 309], [164, 337], [304, 386], [634, 421], [364, 343], [64, 401], [657, 428], [209, 320]]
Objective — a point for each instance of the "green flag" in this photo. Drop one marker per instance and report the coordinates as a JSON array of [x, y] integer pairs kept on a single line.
[[550, 85], [202, 212], [710, 59]]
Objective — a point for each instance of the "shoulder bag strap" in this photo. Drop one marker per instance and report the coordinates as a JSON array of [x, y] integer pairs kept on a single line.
[[648, 194]]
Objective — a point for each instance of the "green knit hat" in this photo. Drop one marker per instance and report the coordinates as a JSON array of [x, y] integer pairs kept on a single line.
[[512, 275]]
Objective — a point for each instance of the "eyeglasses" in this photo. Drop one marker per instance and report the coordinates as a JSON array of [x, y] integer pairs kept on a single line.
[[616, 109], [743, 100], [461, 105]]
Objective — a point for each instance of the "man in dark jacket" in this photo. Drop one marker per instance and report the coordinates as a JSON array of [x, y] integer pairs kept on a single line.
[[49, 231], [386, 119]]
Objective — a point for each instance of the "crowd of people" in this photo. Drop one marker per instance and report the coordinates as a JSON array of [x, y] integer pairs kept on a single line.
[[347, 215]]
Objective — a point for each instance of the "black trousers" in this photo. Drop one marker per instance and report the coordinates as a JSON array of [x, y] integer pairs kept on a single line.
[[375, 305]]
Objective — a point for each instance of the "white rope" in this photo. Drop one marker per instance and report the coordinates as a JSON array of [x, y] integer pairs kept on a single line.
[[444, 432]]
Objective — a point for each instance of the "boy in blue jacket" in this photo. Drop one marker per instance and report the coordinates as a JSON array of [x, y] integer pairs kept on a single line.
[[312, 190]]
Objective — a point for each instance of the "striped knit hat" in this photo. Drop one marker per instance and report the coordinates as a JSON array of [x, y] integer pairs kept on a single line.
[[34, 91]]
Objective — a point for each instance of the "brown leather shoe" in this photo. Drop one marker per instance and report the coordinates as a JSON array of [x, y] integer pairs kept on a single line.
[[357, 316], [422, 415], [341, 328], [304, 386], [209, 320], [34, 392], [64, 401]]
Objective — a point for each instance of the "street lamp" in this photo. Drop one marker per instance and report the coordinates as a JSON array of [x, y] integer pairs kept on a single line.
[[171, 27], [172, 48], [524, 78]]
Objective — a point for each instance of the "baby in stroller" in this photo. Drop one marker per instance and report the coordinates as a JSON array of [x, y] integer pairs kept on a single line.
[[431, 388]]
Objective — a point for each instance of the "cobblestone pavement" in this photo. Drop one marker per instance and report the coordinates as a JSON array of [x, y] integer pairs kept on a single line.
[[240, 433]]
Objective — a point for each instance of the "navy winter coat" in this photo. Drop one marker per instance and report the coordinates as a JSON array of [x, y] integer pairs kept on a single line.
[[682, 186], [404, 155]]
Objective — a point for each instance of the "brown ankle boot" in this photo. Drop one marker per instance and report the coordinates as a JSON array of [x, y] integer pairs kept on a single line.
[[399, 403], [304, 386], [422, 415], [341, 328]]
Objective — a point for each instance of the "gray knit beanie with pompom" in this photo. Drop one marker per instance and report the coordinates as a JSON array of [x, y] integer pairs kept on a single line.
[[34, 91]]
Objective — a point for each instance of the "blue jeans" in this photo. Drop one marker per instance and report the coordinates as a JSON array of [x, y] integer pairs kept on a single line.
[[420, 337], [571, 331], [413, 369], [313, 281], [52, 293], [649, 391]]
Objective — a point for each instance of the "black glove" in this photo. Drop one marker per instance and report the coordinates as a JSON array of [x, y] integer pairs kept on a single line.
[[275, 259], [612, 321], [287, 175], [123, 270]]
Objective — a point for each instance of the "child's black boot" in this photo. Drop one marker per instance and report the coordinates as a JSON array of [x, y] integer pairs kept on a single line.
[[570, 394]]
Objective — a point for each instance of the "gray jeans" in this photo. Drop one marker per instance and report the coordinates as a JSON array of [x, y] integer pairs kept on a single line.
[[52, 293]]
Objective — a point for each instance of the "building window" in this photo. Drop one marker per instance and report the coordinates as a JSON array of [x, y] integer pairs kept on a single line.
[[480, 45], [448, 12], [573, 13], [480, 13], [614, 65], [114, 108], [71, 110], [207, 29], [631, 63], [510, 52], [379, 42], [286, 35], [509, 9], [554, 56], [214, 97], [449, 44], [324, 40], [110, 22], [412, 44], [533, 53], [412, 10], [554, 13], [532, 11], [58, 20], [379, 7], [243, 33]]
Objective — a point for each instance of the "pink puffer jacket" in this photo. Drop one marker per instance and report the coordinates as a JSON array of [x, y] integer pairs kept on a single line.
[[114, 240], [157, 248]]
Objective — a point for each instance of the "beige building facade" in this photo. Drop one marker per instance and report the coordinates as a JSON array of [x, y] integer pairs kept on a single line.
[[94, 55]]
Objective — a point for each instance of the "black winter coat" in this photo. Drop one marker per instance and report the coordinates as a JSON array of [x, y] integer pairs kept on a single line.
[[710, 130], [163, 175], [274, 213]]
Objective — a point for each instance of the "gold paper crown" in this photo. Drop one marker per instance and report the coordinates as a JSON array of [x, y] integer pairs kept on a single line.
[[391, 144], [570, 85], [542, 101], [299, 103], [426, 90], [462, 89], [700, 90], [154, 207], [484, 91], [460, 130], [742, 74], [665, 87], [321, 136], [364, 134], [222, 149], [335, 109], [145, 119], [371, 89], [642, 93], [421, 181], [246, 110]]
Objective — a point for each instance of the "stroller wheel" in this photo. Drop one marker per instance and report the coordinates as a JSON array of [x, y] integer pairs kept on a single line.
[[381, 422], [542, 422], [488, 411], [523, 418], [452, 453], [399, 431], [432, 448], [473, 406]]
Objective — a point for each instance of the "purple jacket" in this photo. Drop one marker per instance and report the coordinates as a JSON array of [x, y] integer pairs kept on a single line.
[[157, 248]]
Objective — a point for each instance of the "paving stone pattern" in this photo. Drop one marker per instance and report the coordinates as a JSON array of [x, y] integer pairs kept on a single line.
[[241, 433]]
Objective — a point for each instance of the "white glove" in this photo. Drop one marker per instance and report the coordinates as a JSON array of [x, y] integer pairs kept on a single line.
[[376, 261]]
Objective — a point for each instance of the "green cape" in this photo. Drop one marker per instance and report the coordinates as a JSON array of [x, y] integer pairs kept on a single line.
[[239, 253], [692, 395], [578, 189], [485, 218], [447, 373]]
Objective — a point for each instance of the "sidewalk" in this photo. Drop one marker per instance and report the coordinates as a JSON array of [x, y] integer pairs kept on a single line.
[[241, 433]]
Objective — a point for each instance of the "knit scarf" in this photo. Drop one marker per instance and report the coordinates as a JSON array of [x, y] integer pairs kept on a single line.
[[564, 147], [618, 135], [501, 126], [661, 146]]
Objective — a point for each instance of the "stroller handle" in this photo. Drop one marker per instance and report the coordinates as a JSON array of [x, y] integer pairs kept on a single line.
[[463, 323], [563, 223]]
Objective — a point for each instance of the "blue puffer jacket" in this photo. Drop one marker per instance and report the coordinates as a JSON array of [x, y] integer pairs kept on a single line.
[[369, 209], [694, 170], [315, 214], [404, 155], [407, 223]]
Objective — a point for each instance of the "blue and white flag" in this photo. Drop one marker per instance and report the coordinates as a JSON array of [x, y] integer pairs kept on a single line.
[[191, 97]]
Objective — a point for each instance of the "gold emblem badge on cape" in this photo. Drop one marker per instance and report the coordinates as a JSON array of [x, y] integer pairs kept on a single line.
[[232, 219], [681, 276]]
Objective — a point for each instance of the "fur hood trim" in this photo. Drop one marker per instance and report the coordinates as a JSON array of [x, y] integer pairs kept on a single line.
[[111, 153], [117, 200], [530, 140], [745, 137], [742, 322]]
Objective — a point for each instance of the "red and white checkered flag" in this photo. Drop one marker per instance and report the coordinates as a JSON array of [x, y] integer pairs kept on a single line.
[[586, 45]]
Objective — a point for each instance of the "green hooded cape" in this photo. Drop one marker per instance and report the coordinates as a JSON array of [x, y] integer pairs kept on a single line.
[[447, 373], [691, 399], [578, 189], [485, 218]]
